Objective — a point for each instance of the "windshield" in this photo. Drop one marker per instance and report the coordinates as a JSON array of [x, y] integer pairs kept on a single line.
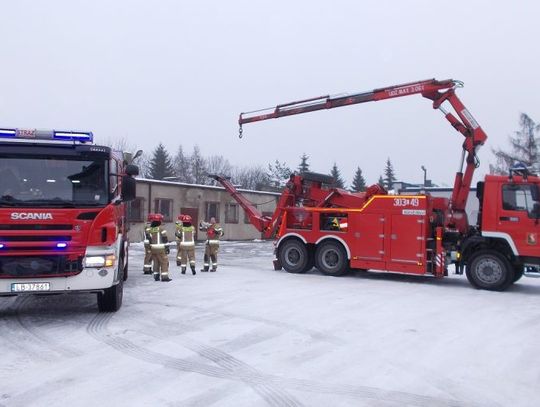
[[53, 181]]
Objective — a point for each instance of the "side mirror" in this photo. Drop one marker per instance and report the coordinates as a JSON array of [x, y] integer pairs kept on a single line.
[[132, 169], [128, 188]]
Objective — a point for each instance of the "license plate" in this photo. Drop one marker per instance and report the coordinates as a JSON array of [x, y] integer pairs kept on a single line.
[[28, 287]]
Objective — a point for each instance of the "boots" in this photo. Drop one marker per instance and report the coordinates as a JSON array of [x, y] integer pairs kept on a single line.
[[183, 270], [178, 263], [205, 268], [165, 277], [193, 270], [147, 270], [214, 269], [156, 276]]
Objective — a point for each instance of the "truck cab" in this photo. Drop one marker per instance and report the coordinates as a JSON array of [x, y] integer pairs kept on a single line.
[[63, 222], [505, 245]]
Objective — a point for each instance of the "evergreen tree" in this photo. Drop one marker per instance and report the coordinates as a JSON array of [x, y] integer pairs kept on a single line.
[[278, 174], [182, 166], [198, 167], [389, 175], [303, 166], [359, 182], [525, 144], [381, 181], [160, 165], [336, 174]]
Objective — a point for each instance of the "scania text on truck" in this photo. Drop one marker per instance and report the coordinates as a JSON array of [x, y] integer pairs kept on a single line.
[[63, 226], [336, 230]]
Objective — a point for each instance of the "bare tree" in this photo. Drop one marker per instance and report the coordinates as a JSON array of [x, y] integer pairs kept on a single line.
[[198, 167], [182, 166], [524, 147]]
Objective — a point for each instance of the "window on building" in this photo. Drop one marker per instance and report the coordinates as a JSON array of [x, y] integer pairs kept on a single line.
[[164, 206], [135, 210], [212, 210], [246, 216], [231, 213]]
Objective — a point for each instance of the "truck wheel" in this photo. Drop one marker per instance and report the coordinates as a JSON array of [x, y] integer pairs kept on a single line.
[[489, 270], [110, 300], [294, 256], [518, 273], [331, 259], [126, 265]]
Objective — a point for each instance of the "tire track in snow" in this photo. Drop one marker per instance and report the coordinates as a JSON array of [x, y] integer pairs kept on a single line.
[[39, 336], [274, 397], [97, 328]]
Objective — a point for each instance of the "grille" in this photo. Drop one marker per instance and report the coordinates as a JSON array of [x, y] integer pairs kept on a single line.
[[34, 227], [38, 266], [35, 238]]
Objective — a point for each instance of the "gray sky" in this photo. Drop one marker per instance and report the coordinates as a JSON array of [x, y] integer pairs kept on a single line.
[[180, 73]]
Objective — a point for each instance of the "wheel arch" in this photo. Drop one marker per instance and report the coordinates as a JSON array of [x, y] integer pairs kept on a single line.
[[500, 244], [338, 239]]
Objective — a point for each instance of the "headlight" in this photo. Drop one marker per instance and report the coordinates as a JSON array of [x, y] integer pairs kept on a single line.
[[99, 261]]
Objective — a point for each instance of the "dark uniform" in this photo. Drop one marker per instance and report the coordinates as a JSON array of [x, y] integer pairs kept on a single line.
[[213, 233]]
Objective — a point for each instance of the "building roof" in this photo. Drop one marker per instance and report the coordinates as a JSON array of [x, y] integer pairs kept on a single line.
[[211, 187]]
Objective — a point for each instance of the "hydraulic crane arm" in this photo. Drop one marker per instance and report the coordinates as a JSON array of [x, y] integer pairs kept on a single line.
[[437, 91]]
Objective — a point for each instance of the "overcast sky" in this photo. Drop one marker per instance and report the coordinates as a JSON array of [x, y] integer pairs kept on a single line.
[[180, 72]]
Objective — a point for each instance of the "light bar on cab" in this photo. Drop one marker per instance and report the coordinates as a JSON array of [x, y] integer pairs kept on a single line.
[[82, 136]]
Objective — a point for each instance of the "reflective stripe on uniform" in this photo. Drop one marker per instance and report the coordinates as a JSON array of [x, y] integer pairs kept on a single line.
[[187, 244], [213, 241]]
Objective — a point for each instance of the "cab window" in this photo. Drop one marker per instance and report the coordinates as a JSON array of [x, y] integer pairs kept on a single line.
[[518, 198]]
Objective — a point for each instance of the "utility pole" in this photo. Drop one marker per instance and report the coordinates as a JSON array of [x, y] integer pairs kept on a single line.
[[425, 174]]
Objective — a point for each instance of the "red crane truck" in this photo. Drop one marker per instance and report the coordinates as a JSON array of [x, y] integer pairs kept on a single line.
[[63, 222], [336, 230]]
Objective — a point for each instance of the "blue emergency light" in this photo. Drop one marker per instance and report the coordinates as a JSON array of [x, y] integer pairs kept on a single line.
[[81, 136], [61, 245]]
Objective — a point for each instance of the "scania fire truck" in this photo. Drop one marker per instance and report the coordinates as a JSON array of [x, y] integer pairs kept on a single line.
[[63, 222], [336, 230]]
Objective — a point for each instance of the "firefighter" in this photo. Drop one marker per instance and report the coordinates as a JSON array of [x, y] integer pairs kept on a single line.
[[186, 237], [213, 232], [178, 236], [157, 237], [147, 267]]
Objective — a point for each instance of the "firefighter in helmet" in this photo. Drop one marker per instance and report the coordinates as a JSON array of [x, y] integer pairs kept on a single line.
[[147, 267], [185, 236], [213, 233], [178, 235], [157, 237]]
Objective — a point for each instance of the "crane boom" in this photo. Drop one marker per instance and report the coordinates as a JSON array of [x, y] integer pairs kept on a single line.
[[438, 92]]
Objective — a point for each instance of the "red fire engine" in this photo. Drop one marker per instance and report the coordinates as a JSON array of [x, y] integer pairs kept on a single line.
[[336, 230], [63, 222]]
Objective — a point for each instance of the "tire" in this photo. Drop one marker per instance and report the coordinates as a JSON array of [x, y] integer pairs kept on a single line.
[[126, 266], [110, 300], [331, 259], [490, 270], [518, 273], [294, 256]]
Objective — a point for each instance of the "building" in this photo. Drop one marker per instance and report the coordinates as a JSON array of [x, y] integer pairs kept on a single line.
[[201, 202]]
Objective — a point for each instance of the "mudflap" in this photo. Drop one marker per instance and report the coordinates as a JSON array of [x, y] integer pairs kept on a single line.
[[277, 265]]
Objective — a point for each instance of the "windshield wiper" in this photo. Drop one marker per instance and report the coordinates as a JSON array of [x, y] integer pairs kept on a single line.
[[54, 201]]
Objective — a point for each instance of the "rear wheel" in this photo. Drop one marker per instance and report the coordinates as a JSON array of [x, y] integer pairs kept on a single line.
[[490, 270], [331, 259], [294, 256]]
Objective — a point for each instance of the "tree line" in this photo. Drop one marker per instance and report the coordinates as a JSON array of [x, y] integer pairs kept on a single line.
[[193, 169]]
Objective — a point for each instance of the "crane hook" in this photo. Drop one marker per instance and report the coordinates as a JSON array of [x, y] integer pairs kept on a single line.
[[240, 131]]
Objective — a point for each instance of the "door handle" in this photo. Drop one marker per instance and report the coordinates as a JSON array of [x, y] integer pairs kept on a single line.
[[509, 218]]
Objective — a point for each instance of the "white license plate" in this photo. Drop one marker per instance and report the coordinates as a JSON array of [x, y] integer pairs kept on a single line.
[[27, 287]]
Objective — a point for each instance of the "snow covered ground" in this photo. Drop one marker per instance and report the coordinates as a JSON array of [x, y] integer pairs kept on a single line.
[[251, 336]]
